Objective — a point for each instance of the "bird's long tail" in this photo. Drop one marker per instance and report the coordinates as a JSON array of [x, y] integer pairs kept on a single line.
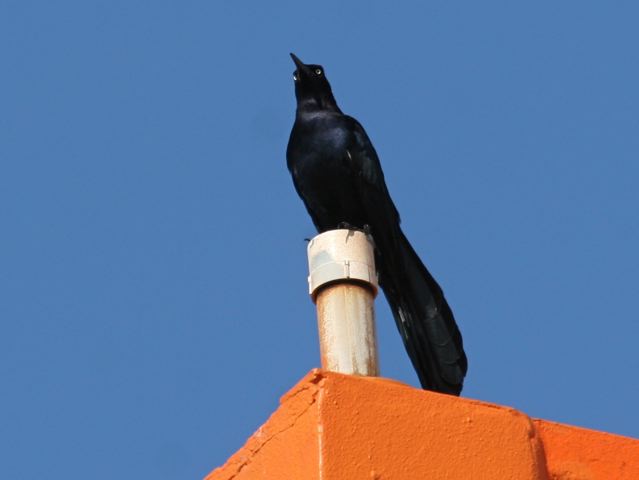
[[424, 319]]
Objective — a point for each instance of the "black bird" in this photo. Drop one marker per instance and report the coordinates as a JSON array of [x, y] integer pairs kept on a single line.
[[338, 175]]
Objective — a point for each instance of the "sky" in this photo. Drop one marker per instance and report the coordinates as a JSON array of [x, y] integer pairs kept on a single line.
[[153, 297]]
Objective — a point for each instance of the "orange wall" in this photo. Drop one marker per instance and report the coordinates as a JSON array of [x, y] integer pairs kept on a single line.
[[332, 426]]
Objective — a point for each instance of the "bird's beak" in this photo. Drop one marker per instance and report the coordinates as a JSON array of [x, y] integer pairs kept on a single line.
[[301, 68]]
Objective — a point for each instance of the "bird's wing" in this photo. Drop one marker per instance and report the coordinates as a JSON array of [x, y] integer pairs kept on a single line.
[[369, 175]]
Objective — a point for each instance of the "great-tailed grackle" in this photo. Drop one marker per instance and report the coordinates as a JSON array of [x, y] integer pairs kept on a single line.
[[338, 175]]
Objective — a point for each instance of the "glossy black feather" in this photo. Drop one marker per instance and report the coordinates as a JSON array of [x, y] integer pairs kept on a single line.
[[338, 175]]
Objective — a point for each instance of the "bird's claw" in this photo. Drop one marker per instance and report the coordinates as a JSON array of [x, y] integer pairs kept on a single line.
[[366, 228]]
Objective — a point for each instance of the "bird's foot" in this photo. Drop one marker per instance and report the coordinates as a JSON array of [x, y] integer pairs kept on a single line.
[[347, 226]]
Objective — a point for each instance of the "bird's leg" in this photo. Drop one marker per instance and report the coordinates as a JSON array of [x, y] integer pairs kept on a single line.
[[366, 228], [346, 226]]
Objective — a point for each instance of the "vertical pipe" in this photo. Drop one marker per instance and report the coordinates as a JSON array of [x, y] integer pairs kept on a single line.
[[343, 284]]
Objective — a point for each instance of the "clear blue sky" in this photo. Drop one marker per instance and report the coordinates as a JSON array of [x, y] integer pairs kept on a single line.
[[153, 303]]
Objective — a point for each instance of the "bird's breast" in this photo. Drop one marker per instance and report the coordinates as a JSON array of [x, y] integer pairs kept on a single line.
[[324, 176]]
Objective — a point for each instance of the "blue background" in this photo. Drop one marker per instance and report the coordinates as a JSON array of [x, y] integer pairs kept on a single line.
[[153, 302]]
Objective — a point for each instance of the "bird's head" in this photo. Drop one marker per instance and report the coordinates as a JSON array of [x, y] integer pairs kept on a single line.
[[312, 89]]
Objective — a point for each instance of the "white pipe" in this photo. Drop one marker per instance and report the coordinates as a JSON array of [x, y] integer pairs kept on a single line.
[[343, 285]]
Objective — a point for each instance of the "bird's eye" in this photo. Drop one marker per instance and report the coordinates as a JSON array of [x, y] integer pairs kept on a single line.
[[318, 71], [295, 77]]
